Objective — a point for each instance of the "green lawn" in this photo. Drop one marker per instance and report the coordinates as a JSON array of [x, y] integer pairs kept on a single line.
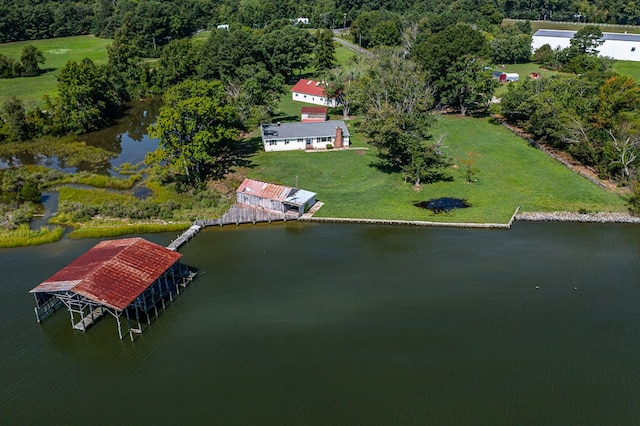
[[524, 70], [628, 68], [343, 55], [57, 52], [511, 174]]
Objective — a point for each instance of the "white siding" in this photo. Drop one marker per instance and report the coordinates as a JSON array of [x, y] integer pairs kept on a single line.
[[312, 99], [295, 144], [616, 49]]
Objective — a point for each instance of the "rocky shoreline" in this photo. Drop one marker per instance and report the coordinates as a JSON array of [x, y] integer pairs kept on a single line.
[[601, 217]]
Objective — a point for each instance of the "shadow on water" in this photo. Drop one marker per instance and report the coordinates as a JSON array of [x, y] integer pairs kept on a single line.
[[126, 141], [128, 138]]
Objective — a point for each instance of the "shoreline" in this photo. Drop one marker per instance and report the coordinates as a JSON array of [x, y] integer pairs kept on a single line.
[[598, 217]]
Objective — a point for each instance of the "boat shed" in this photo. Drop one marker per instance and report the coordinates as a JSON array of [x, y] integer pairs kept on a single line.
[[127, 278], [290, 201]]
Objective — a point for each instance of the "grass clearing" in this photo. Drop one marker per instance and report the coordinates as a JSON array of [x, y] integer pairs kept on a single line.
[[511, 174], [628, 68], [343, 55], [57, 52]]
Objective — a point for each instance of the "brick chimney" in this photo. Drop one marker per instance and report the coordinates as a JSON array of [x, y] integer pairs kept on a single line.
[[338, 142]]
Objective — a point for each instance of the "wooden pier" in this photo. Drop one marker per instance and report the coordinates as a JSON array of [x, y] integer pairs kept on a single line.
[[238, 214], [241, 213], [186, 236]]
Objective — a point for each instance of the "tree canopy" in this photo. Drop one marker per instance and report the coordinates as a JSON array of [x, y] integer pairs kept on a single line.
[[198, 129]]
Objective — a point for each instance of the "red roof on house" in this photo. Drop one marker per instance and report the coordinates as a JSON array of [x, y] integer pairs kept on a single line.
[[309, 87], [314, 110], [264, 189], [113, 273]]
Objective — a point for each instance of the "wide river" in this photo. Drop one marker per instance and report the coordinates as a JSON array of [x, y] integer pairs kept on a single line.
[[346, 324]]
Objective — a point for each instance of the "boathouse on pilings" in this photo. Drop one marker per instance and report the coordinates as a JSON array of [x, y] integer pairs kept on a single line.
[[293, 202], [129, 279]]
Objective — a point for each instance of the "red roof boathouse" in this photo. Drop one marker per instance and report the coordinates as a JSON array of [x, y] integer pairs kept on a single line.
[[128, 277]]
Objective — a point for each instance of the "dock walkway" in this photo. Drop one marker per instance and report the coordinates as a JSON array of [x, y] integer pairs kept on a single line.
[[236, 215]]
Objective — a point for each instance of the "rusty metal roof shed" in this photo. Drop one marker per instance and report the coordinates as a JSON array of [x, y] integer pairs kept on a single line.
[[113, 273], [265, 190]]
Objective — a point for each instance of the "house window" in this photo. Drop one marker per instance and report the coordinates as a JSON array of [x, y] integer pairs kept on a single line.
[[633, 49], [286, 141], [272, 142], [309, 141], [305, 96], [299, 140]]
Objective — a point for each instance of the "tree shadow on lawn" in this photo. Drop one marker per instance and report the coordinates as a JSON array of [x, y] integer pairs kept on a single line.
[[285, 118], [431, 177], [246, 149]]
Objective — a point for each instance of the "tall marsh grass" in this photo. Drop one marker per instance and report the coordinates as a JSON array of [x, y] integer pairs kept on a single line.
[[24, 236], [116, 231]]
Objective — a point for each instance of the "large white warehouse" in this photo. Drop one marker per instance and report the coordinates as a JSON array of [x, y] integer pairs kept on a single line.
[[616, 45]]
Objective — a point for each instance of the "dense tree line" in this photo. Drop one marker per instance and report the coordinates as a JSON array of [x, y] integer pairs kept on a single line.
[[155, 22], [590, 112]]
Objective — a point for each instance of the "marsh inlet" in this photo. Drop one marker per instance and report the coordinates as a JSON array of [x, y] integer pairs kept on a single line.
[[439, 205]]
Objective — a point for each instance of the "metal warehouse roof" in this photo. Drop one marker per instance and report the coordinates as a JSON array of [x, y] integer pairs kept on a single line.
[[272, 191], [113, 273], [570, 34], [303, 130]]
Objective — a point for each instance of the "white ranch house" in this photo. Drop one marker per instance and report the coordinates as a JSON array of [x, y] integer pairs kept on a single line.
[[301, 136], [619, 46]]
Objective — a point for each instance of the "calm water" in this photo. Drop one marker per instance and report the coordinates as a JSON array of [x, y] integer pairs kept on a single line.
[[338, 324], [126, 140]]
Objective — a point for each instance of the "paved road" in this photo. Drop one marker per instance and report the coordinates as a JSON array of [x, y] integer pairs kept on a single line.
[[353, 47]]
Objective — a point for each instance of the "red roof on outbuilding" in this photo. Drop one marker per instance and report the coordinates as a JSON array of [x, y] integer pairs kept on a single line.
[[314, 110], [309, 87], [113, 273]]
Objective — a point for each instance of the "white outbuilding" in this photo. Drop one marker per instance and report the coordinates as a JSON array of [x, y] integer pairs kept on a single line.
[[619, 46]]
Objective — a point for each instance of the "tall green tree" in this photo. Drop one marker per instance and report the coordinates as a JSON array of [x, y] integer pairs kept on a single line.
[[178, 62], [398, 101], [198, 129], [453, 61], [31, 57], [587, 40], [87, 99], [14, 114], [124, 69], [286, 50], [324, 54]]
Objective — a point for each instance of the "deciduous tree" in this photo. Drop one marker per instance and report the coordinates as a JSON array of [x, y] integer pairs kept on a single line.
[[197, 128]]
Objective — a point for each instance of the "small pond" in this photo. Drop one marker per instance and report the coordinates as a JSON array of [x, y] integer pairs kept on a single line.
[[440, 205]]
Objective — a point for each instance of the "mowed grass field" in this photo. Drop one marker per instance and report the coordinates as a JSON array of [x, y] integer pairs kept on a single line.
[[57, 52], [511, 174]]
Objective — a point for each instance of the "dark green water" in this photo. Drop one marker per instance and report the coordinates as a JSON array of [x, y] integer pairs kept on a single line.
[[339, 324]]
